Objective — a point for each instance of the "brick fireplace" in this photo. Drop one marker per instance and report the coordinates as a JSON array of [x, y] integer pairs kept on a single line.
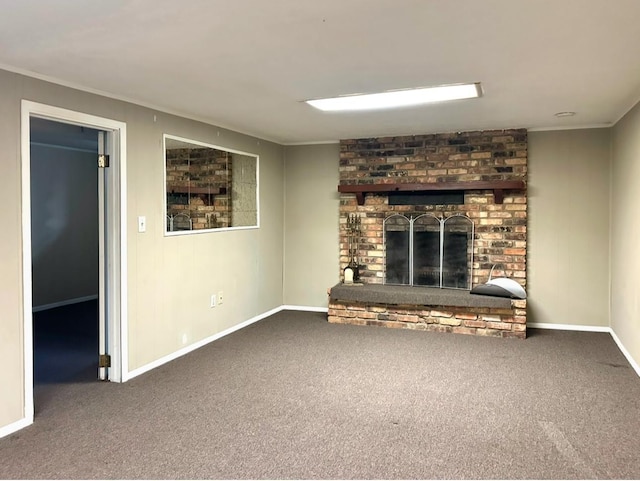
[[478, 175]]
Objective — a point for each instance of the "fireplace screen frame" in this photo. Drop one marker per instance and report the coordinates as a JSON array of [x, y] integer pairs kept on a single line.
[[442, 224]]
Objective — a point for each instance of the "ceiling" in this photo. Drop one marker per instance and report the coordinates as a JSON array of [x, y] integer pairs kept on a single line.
[[247, 64]]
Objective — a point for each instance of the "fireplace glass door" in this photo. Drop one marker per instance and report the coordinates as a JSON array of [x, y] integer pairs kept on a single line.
[[429, 251], [426, 251], [457, 252], [396, 236]]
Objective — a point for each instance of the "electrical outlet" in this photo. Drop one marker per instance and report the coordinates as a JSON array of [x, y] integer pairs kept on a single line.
[[220, 297], [213, 300]]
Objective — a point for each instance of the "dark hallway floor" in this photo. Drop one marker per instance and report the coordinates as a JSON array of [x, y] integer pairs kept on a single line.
[[65, 343]]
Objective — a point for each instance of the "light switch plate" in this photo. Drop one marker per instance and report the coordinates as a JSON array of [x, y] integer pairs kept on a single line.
[[142, 224]]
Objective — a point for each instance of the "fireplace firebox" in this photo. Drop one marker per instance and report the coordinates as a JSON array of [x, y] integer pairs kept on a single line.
[[429, 251]]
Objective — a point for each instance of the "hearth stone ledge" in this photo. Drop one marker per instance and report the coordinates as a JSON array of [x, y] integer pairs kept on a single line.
[[429, 309]]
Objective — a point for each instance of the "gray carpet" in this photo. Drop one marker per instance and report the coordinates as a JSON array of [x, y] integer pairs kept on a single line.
[[295, 397]]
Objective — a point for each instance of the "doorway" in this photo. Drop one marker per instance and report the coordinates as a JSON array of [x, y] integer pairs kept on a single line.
[[77, 288], [65, 251]]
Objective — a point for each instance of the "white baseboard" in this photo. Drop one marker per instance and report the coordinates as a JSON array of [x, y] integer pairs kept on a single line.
[[17, 426], [53, 305], [568, 327], [632, 361], [305, 308], [197, 345]]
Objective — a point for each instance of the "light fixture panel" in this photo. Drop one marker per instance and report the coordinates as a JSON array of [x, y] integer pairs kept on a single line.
[[398, 98]]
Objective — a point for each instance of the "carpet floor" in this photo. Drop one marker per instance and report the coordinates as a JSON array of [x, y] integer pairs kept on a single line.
[[294, 397]]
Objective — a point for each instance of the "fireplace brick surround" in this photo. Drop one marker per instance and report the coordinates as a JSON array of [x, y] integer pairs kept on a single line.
[[500, 228]]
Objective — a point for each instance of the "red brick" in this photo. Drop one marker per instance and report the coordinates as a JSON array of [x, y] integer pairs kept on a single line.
[[478, 324], [466, 316], [499, 325], [438, 328], [488, 332], [463, 330], [515, 335]]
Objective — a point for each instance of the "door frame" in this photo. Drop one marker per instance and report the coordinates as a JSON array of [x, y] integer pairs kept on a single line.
[[115, 242]]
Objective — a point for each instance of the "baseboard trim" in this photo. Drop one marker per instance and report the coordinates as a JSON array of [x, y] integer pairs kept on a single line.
[[304, 308], [17, 426], [625, 353], [197, 345], [53, 305], [568, 327]]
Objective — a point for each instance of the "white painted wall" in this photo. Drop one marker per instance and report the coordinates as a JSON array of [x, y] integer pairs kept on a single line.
[[625, 232], [64, 224], [11, 347], [311, 223], [568, 227]]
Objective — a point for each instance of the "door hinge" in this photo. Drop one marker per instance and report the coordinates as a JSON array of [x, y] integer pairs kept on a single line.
[[104, 360], [103, 161]]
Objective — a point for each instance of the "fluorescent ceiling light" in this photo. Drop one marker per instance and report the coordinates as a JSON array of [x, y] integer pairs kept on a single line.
[[565, 114], [398, 98]]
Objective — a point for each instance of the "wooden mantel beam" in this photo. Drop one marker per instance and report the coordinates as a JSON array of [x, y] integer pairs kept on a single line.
[[497, 186]]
